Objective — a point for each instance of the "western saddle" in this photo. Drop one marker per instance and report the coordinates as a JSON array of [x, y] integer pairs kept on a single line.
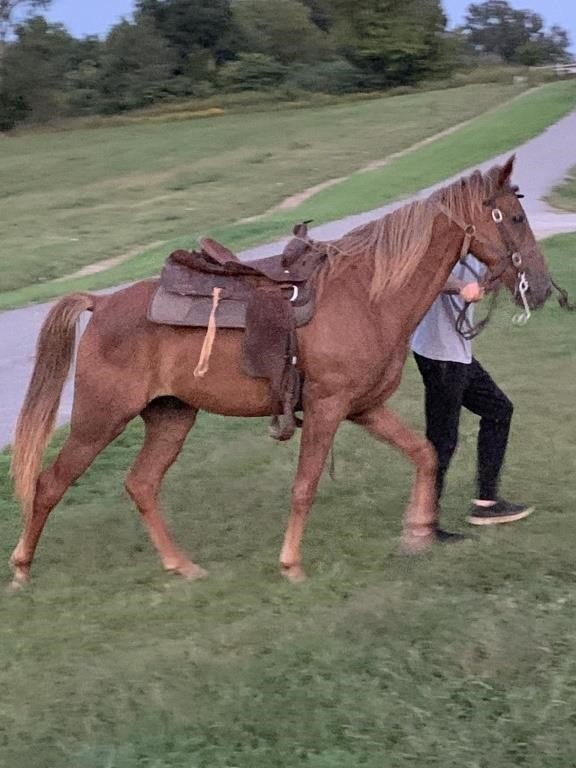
[[295, 265], [269, 298]]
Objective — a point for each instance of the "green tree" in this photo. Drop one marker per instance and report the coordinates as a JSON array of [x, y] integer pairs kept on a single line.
[[83, 80], [281, 29], [394, 41], [136, 65], [252, 72], [35, 69], [514, 35], [8, 13], [189, 25]]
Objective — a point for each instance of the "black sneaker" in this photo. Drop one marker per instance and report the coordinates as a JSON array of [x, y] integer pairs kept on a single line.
[[446, 537], [449, 537], [501, 512]]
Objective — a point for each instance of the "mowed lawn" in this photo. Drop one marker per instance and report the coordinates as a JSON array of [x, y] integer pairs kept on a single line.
[[74, 197], [466, 657], [77, 197], [564, 195]]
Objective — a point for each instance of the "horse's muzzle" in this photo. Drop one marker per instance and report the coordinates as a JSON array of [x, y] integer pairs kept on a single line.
[[537, 294]]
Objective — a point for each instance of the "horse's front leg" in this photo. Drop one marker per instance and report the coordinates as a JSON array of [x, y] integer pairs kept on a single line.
[[421, 519], [321, 420]]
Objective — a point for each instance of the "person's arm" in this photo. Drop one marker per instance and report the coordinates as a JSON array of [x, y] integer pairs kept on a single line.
[[470, 292], [453, 285]]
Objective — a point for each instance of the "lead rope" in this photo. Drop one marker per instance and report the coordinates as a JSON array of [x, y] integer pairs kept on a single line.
[[563, 299], [332, 468], [463, 325]]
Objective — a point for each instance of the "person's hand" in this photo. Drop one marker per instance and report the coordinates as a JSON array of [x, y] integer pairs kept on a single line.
[[472, 292]]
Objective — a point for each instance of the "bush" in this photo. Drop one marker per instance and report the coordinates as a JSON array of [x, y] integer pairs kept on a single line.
[[336, 76], [505, 74], [251, 72], [13, 109], [492, 74]]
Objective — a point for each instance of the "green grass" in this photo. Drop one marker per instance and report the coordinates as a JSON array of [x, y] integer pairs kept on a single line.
[[564, 195], [74, 197], [463, 658], [98, 193]]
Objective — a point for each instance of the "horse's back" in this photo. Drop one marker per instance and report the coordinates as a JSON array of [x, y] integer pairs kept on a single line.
[[123, 351]]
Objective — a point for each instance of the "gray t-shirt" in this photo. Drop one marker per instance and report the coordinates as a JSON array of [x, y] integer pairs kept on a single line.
[[436, 336]]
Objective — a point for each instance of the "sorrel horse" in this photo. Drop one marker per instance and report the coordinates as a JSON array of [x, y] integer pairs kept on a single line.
[[375, 287]]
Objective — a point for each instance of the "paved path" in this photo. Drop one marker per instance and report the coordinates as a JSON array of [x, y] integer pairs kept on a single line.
[[541, 163]]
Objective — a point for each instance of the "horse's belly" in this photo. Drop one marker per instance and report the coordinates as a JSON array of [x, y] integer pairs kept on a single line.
[[224, 389]]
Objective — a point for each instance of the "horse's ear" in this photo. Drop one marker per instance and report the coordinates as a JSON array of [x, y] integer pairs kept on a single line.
[[506, 171]]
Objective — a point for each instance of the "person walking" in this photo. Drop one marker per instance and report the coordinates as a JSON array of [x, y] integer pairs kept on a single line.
[[453, 379]]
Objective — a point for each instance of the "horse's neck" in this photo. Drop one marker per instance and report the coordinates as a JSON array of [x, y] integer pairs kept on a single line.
[[414, 299]]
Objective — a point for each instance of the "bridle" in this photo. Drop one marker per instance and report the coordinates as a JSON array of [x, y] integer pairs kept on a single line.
[[492, 283], [511, 257]]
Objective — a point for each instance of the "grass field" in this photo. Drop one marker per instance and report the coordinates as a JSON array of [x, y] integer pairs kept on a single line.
[[564, 195], [77, 197], [466, 657], [74, 197]]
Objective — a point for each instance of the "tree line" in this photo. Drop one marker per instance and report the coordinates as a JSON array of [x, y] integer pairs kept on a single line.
[[180, 49]]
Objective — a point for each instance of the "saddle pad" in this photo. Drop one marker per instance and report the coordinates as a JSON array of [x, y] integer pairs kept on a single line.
[[168, 308], [173, 309]]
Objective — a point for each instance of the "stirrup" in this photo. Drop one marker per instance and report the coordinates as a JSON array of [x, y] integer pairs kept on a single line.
[[282, 427]]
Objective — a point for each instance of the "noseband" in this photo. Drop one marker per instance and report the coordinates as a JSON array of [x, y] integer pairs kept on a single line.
[[514, 257]]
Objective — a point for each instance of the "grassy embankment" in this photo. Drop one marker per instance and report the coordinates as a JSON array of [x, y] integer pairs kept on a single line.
[[463, 658], [77, 197], [564, 195]]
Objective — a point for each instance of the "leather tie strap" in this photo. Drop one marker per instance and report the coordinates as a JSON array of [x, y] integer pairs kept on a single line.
[[469, 233], [206, 351]]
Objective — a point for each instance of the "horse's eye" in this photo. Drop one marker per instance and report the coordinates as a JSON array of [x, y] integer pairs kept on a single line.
[[518, 219]]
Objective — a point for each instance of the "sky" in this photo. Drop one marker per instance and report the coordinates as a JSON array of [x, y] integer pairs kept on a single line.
[[95, 17]]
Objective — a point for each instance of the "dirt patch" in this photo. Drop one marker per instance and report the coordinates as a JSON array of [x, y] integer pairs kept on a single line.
[[136, 179], [102, 266], [152, 200], [419, 144], [300, 197], [294, 200]]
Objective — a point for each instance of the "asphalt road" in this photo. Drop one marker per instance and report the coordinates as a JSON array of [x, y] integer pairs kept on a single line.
[[541, 164]]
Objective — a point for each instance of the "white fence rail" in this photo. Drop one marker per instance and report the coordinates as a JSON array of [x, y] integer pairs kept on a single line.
[[561, 69]]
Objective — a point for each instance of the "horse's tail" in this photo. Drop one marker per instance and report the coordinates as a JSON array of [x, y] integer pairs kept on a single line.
[[54, 354]]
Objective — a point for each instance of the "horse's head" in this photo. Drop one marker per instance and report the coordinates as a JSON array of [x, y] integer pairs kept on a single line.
[[502, 238]]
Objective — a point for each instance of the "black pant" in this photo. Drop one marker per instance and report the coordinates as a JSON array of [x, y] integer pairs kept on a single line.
[[448, 387]]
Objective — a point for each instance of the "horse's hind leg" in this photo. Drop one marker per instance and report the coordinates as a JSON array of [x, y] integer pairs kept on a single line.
[[87, 438], [167, 422]]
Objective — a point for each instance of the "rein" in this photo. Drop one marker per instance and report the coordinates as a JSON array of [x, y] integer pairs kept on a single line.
[[464, 327], [491, 284], [563, 299]]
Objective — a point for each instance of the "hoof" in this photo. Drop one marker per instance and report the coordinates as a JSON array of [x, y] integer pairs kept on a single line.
[[191, 572], [20, 579], [417, 545], [21, 572], [294, 574], [15, 586], [282, 427]]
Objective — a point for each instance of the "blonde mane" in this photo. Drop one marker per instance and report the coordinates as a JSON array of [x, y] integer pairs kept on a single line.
[[394, 245]]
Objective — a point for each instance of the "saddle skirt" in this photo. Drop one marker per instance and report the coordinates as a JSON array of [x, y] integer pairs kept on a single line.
[[268, 298]]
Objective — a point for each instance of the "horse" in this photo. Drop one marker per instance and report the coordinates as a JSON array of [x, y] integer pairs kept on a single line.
[[373, 289]]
